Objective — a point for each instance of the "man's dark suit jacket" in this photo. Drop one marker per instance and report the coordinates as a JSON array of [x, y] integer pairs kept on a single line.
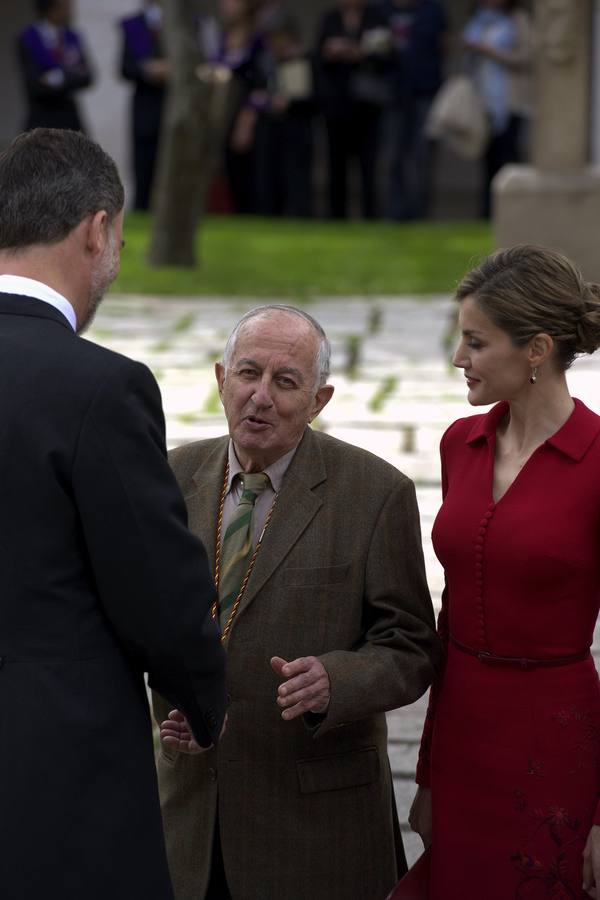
[[100, 580]]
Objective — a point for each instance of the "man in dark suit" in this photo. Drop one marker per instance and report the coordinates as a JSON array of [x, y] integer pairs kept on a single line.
[[144, 63], [54, 65], [100, 578], [327, 622]]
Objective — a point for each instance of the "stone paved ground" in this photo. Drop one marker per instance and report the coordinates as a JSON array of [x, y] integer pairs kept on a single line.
[[395, 394]]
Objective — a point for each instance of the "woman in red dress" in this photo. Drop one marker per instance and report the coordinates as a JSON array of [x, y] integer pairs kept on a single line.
[[509, 771]]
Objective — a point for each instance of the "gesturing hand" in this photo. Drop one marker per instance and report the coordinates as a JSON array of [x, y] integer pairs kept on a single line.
[[306, 687]]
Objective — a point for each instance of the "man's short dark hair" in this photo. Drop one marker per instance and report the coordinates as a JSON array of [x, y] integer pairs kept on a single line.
[[50, 180]]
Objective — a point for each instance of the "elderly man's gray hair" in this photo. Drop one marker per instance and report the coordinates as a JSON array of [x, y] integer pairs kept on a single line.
[[323, 357]]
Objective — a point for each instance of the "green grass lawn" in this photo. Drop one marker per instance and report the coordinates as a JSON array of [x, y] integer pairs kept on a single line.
[[298, 260]]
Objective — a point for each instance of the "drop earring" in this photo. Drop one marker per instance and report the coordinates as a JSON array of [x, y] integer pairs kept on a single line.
[[533, 376]]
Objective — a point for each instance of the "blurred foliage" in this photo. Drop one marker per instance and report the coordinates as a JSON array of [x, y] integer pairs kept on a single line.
[[301, 259]]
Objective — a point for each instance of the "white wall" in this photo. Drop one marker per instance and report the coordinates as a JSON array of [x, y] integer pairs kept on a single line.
[[106, 105]]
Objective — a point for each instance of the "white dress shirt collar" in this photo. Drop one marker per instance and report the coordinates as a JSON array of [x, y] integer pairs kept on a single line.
[[29, 287]]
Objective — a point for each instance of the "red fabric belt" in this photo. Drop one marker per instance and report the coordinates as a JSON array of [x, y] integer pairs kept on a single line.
[[518, 662]]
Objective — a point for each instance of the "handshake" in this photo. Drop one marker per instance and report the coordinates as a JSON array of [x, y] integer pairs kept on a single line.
[[305, 688]]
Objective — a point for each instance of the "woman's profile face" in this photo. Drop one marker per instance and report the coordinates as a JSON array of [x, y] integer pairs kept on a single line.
[[494, 367]]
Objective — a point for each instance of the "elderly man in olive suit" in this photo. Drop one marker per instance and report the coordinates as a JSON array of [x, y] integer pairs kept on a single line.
[[327, 622]]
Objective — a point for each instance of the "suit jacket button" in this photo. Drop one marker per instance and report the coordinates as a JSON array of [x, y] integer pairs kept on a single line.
[[212, 774]]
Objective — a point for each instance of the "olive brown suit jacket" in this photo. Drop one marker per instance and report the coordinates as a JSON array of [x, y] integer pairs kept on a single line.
[[305, 808]]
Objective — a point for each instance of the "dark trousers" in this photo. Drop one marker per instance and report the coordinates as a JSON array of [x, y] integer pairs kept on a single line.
[[503, 148], [353, 137], [410, 155], [144, 160], [218, 889], [239, 168], [284, 163]]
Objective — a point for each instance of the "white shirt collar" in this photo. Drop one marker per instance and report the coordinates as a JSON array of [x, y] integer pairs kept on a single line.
[[29, 287]]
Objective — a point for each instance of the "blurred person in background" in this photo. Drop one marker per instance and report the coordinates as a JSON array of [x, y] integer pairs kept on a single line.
[[233, 41], [54, 66], [498, 41], [419, 37], [284, 135], [144, 63], [353, 50]]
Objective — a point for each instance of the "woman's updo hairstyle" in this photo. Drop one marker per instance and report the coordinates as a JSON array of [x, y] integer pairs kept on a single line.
[[526, 290]]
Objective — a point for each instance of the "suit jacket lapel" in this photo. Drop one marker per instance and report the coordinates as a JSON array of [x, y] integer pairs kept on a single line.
[[203, 506], [295, 508]]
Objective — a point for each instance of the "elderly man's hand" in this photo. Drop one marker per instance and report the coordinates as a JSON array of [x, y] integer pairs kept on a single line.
[[177, 734], [306, 687]]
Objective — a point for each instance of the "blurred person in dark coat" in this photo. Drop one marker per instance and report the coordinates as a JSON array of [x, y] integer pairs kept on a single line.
[[54, 65], [352, 49], [284, 134], [232, 41], [144, 63], [419, 35]]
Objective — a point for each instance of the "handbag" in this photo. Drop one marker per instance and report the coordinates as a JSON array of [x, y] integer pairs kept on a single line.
[[458, 118], [416, 882]]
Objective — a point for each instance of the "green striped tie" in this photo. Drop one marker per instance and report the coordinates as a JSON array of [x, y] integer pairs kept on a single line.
[[237, 544]]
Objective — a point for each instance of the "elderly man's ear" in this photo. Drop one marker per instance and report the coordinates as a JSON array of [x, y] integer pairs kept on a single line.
[[322, 398]]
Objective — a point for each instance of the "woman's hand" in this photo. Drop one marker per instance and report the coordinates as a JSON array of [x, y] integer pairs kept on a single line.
[[591, 863], [419, 817]]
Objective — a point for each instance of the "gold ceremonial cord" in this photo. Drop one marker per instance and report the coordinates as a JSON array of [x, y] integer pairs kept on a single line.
[[238, 599]]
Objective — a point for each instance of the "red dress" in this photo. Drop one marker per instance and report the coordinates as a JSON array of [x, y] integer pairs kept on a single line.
[[511, 751]]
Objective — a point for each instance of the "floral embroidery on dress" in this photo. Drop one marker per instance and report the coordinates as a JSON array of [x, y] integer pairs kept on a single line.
[[547, 876], [585, 746], [535, 767]]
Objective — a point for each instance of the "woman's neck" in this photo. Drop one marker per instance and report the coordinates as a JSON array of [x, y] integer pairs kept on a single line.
[[536, 415]]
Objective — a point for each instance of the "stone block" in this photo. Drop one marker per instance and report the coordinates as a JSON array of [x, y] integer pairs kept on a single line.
[[560, 210]]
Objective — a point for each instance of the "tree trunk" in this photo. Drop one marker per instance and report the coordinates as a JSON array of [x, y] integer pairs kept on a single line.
[[193, 124]]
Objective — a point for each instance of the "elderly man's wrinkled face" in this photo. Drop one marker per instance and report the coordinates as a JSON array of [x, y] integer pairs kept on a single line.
[[269, 389]]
